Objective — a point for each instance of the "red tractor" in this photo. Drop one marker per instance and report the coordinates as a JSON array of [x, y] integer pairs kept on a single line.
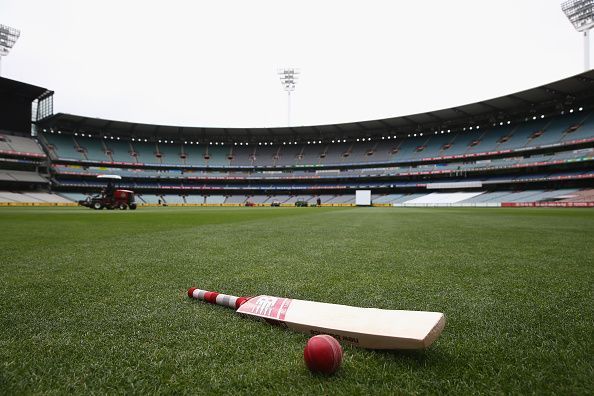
[[110, 197]]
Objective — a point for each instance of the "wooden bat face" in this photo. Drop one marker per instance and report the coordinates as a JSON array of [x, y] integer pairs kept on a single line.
[[365, 327]]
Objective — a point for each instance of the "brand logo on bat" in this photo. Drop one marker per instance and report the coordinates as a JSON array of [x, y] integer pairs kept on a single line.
[[267, 307], [264, 306]]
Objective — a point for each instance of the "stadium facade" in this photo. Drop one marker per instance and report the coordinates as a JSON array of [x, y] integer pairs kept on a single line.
[[531, 148]]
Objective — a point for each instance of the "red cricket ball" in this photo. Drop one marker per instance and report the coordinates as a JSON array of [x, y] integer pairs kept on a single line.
[[322, 354]]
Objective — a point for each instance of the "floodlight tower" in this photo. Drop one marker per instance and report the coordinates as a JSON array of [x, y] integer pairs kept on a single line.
[[8, 37], [288, 78], [581, 15]]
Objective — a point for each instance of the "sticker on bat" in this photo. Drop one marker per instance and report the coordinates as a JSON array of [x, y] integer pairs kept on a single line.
[[266, 307]]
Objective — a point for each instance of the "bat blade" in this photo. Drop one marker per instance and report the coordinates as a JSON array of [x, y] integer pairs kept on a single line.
[[364, 327]]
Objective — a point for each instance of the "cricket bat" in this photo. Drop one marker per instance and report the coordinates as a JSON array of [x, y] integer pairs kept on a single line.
[[363, 327]]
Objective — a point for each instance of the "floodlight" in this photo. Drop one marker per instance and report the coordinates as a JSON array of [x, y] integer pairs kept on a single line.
[[8, 37], [288, 78], [581, 15]]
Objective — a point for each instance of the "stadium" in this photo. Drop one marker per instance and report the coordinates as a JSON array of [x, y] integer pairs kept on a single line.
[[481, 211], [531, 148]]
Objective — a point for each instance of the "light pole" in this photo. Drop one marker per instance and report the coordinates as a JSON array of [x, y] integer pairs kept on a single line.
[[8, 37], [288, 78], [581, 15]]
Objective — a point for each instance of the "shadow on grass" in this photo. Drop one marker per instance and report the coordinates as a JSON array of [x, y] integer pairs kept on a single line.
[[414, 358]]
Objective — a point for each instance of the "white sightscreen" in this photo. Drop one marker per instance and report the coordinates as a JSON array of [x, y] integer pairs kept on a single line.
[[363, 197]]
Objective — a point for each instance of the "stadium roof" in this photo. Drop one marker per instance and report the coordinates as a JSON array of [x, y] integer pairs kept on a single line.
[[16, 100], [10, 88], [550, 98]]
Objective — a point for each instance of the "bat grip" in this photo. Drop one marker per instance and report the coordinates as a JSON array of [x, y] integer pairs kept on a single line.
[[216, 298]]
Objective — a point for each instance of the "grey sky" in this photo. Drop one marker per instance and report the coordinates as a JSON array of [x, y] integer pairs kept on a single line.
[[213, 63]]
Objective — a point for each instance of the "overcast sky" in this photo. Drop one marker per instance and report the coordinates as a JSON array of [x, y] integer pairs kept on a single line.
[[214, 63]]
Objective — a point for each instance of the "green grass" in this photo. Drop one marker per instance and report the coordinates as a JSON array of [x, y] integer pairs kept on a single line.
[[94, 301]]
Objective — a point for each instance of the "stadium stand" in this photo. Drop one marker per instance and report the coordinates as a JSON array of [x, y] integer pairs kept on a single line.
[[150, 198], [214, 199], [259, 199], [523, 196], [169, 154], [406, 197], [217, 156], [554, 131], [431, 199], [45, 197], [74, 197], [486, 197], [264, 156], [584, 129], [484, 142], [577, 196], [279, 199], [195, 199], [522, 135], [545, 132], [7, 196], [387, 199], [95, 149], [20, 145], [236, 199], [119, 151], [62, 147], [311, 155], [503, 150], [486, 165], [21, 176], [459, 144], [438, 146], [32, 197], [4, 146], [145, 152], [242, 155], [195, 155], [442, 198], [296, 198], [289, 155], [173, 199]]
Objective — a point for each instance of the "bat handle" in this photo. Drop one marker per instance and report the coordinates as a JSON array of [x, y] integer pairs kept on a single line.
[[216, 298]]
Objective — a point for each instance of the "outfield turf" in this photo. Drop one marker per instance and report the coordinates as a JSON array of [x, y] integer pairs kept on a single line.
[[95, 301]]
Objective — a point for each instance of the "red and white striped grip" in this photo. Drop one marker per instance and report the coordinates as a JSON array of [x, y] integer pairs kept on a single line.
[[216, 298]]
